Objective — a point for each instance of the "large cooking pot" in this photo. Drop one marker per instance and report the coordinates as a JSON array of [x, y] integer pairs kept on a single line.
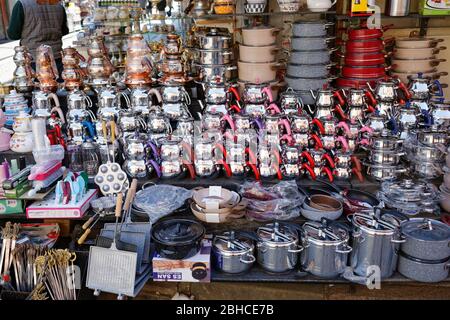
[[368, 46], [417, 42], [426, 239], [326, 248], [375, 243], [405, 76], [423, 270], [311, 43], [363, 72], [213, 40], [317, 28], [216, 73], [309, 70], [233, 252], [278, 247], [419, 53], [366, 34], [302, 84], [416, 65], [219, 56], [311, 57], [259, 36], [177, 239], [365, 59], [257, 72], [257, 54]]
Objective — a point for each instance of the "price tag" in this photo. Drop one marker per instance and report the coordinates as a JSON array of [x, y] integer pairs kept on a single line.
[[212, 217], [215, 191], [212, 204]]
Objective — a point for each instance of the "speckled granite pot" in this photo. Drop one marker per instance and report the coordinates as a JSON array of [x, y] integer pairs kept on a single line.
[[426, 239], [423, 271]]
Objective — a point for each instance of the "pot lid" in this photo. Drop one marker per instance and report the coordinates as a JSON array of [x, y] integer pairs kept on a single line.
[[408, 190], [232, 242], [178, 231], [261, 27], [324, 233], [277, 233], [426, 230], [373, 223]]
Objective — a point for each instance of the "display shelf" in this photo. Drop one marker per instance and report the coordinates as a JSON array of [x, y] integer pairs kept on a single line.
[[274, 13]]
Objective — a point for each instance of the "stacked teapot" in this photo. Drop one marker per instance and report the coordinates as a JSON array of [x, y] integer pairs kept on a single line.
[[47, 73], [14, 104], [22, 140], [100, 68], [23, 74], [73, 73], [141, 101], [220, 98], [138, 69], [173, 68]]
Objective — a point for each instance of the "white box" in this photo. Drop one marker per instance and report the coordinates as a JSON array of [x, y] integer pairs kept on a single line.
[[47, 209], [194, 269]]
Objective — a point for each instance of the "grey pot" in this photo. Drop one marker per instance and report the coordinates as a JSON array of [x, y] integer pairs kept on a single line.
[[423, 271], [311, 28], [311, 43], [309, 70], [426, 239], [310, 56], [304, 84]]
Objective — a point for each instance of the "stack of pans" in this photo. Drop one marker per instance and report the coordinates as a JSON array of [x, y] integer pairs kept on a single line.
[[415, 55], [213, 56], [364, 58], [310, 58]]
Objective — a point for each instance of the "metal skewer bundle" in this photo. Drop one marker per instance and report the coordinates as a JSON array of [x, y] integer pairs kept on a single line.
[[57, 271], [9, 235], [24, 264]]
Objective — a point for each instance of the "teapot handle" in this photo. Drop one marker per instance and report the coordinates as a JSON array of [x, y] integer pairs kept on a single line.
[[59, 112]]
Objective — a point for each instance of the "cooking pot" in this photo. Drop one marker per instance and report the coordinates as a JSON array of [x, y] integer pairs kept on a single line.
[[426, 170], [365, 33], [385, 157], [375, 243], [317, 28], [233, 252], [367, 46], [416, 65], [418, 53], [363, 72], [385, 141], [417, 42], [309, 70], [259, 36], [423, 270], [365, 59], [440, 113], [310, 56], [311, 43], [257, 54], [303, 84], [177, 239], [278, 247], [405, 77], [426, 239], [257, 72], [384, 172], [424, 153], [213, 39], [216, 73], [431, 136], [290, 102], [219, 56], [326, 249]]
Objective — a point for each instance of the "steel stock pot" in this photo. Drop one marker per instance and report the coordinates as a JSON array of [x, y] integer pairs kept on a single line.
[[326, 249], [278, 247], [233, 252]]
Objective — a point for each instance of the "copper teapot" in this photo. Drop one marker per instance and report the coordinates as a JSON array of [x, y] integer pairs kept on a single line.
[[47, 73]]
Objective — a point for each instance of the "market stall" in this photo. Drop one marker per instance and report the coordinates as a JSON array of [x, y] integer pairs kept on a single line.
[[226, 143]]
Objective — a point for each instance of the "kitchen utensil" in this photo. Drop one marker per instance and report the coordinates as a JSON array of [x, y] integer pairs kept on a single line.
[[318, 28], [423, 270], [419, 53], [311, 43], [259, 36], [257, 72], [415, 65], [257, 53], [233, 252], [417, 42]]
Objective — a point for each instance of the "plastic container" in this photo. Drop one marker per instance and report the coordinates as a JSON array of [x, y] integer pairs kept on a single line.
[[52, 153]]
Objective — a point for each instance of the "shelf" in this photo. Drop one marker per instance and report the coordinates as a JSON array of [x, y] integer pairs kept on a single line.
[[383, 16], [275, 13]]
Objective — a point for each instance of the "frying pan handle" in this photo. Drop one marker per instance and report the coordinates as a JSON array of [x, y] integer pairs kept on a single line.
[[255, 170], [310, 171], [130, 195], [328, 173], [318, 142], [119, 202], [358, 174], [309, 158], [331, 185], [319, 125]]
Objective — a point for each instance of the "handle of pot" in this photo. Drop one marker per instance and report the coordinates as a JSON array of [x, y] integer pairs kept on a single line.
[[251, 261], [276, 66], [341, 112], [273, 107], [438, 84], [308, 157], [330, 160], [317, 141], [344, 143], [345, 250], [58, 110], [328, 173], [298, 250], [319, 125], [255, 170], [275, 31], [157, 94], [156, 166], [235, 92], [227, 168], [231, 68], [310, 171]]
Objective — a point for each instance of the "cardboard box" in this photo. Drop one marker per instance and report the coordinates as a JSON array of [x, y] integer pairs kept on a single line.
[[47, 209], [19, 191], [434, 7], [195, 269], [9, 206]]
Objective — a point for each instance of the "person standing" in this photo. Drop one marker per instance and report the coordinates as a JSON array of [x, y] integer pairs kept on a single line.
[[37, 22]]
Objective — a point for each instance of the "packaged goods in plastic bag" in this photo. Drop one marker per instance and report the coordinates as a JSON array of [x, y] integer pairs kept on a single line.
[[278, 202], [160, 200]]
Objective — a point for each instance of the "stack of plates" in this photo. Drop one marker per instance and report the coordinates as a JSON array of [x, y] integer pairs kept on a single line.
[[217, 205]]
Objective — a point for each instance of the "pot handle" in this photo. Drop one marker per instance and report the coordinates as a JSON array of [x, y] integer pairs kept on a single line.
[[275, 31], [231, 68], [298, 250], [346, 249], [251, 261], [277, 66], [401, 240]]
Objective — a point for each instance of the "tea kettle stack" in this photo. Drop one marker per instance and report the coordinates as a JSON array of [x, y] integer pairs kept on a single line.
[[14, 104], [100, 68], [47, 73], [23, 74], [73, 73], [309, 59], [138, 67], [173, 66]]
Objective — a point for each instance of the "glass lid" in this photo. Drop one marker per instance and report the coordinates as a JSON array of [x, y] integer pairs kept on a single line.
[[178, 231], [426, 230]]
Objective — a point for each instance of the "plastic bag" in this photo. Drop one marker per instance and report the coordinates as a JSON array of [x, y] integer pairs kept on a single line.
[[278, 202], [160, 200]]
